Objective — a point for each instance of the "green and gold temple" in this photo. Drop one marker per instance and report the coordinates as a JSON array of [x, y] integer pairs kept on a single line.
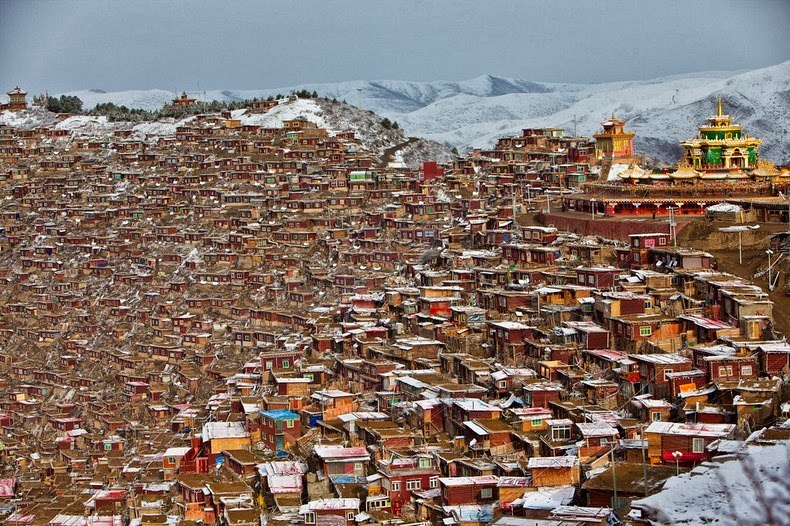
[[721, 150]]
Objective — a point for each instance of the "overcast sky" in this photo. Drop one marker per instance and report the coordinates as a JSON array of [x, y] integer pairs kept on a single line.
[[62, 45]]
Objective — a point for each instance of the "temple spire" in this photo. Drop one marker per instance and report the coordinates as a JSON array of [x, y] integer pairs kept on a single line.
[[719, 108]]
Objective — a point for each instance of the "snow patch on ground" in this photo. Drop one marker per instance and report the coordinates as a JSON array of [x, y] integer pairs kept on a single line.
[[737, 492], [615, 171]]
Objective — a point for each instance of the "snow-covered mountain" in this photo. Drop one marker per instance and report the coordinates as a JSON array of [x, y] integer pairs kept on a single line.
[[473, 113]]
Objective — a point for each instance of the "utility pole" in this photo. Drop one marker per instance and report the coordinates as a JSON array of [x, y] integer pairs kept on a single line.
[[673, 233], [644, 463], [614, 482], [677, 455], [515, 224]]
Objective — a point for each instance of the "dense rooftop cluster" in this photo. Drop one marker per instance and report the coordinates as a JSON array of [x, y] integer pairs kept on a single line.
[[235, 322]]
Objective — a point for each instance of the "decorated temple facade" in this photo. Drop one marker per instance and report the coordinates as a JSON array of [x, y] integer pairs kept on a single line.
[[721, 147], [614, 142]]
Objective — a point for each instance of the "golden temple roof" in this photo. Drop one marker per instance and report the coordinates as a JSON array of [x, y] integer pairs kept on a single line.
[[685, 171]]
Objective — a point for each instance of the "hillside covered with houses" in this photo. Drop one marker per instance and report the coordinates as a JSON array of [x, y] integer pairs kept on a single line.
[[292, 314]]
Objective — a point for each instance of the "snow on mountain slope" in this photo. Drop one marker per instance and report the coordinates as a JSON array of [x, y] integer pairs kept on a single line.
[[145, 99], [475, 112]]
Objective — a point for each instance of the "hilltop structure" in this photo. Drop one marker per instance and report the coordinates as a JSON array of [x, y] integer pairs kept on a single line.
[[184, 100], [16, 100]]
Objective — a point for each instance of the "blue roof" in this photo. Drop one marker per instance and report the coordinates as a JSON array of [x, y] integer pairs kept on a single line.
[[280, 414]]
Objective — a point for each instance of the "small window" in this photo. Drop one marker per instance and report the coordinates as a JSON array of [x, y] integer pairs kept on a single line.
[[486, 493], [290, 423], [698, 445], [561, 433], [503, 384], [655, 416], [536, 422], [350, 516], [358, 466], [662, 241], [434, 482], [666, 371], [645, 331], [395, 486], [309, 518], [746, 370], [413, 484], [286, 364]]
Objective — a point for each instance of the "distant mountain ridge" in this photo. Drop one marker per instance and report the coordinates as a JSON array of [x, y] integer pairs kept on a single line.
[[475, 112]]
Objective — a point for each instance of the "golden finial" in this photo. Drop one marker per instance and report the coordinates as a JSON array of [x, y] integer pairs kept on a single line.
[[719, 108], [612, 115]]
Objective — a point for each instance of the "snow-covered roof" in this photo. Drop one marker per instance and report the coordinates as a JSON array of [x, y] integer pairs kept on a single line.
[[215, 430]]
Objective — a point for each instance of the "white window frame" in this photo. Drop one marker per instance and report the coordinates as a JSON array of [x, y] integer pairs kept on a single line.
[[645, 330], [695, 445], [746, 370], [395, 486], [486, 493], [560, 433], [655, 416], [349, 515], [434, 482], [309, 517], [413, 484]]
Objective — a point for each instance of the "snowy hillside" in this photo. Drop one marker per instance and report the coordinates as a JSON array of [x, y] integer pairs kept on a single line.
[[389, 144], [473, 113]]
